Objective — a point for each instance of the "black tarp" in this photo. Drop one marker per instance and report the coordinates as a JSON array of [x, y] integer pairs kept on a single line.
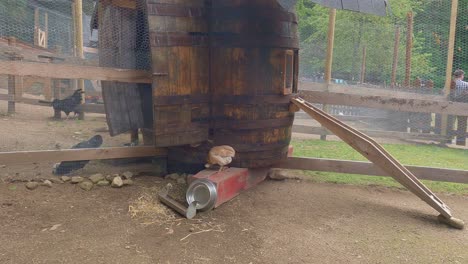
[[376, 7]]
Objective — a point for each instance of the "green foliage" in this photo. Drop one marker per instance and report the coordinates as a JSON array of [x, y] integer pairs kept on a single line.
[[353, 31]]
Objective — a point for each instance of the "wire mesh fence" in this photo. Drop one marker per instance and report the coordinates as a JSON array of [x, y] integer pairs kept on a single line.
[[404, 53], [97, 56], [43, 44]]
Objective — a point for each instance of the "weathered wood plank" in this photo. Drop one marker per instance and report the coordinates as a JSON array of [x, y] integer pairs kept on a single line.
[[364, 90], [386, 102], [367, 168], [69, 71], [23, 157], [372, 133]]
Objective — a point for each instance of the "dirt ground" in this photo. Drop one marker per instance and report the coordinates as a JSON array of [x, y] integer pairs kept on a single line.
[[294, 221], [276, 222]]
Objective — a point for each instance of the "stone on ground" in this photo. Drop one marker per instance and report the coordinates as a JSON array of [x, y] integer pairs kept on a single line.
[[117, 182], [95, 178], [77, 179], [127, 175], [32, 185], [86, 185], [127, 182], [103, 183], [47, 183]]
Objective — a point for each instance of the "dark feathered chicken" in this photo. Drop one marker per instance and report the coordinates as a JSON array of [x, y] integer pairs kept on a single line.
[[65, 167], [68, 104]]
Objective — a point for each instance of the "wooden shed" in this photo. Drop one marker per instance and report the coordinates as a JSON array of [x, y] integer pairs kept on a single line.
[[223, 71]]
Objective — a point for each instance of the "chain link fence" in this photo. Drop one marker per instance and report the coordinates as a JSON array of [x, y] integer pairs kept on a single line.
[[403, 55]]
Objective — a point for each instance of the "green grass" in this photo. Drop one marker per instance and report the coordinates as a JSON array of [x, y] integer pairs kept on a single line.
[[418, 155]]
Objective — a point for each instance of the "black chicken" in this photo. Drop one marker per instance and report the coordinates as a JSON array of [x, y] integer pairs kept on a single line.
[[65, 167], [68, 104]]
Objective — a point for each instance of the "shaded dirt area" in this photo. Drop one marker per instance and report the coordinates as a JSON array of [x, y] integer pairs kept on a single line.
[[33, 128], [276, 222]]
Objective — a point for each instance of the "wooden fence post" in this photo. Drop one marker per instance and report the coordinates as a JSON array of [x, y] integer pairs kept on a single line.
[[395, 56], [15, 82], [409, 48], [446, 122], [56, 90], [363, 65], [329, 58], [78, 19]]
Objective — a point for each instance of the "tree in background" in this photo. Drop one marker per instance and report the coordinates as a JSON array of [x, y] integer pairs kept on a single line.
[[354, 31]]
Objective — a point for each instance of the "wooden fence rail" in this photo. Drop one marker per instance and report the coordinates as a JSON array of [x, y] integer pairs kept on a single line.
[[25, 157], [69, 71], [314, 130], [387, 102], [367, 168]]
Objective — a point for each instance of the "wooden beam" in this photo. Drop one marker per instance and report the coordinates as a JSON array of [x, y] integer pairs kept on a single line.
[[69, 71], [386, 102], [23, 157], [78, 20], [363, 64], [367, 168], [368, 90], [315, 130], [449, 68], [87, 108], [409, 48], [396, 46]]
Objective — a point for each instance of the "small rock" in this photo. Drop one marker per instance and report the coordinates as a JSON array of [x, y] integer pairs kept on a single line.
[[95, 178], [127, 182], [47, 183], [127, 175], [32, 185], [103, 183], [279, 175], [86, 185], [117, 182], [56, 181], [77, 133], [77, 179], [191, 230], [54, 227], [181, 180], [172, 176], [110, 177], [65, 178], [2, 166]]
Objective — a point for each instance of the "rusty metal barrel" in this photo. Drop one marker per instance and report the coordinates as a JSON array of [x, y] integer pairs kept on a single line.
[[253, 73]]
